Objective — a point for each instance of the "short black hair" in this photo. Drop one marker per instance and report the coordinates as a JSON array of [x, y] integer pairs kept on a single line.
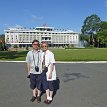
[[35, 41]]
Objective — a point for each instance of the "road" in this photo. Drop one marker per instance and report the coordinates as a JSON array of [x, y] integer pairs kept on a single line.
[[81, 85]]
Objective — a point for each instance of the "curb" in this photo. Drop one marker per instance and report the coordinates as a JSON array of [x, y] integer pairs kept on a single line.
[[63, 61]]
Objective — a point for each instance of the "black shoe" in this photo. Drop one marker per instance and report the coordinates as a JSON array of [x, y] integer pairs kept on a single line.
[[46, 101], [38, 99], [33, 99]]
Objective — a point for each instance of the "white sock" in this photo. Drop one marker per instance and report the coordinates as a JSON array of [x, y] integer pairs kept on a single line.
[[49, 98]]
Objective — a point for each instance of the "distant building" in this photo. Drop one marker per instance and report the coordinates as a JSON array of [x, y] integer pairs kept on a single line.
[[23, 37]]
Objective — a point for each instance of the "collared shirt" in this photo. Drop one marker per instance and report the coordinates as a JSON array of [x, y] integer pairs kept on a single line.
[[34, 59], [49, 59]]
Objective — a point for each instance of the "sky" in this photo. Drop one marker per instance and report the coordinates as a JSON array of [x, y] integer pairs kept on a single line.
[[60, 14]]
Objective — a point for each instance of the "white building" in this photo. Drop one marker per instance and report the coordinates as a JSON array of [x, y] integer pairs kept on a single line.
[[24, 37]]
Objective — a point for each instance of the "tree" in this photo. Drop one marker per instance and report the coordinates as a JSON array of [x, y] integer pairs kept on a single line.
[[84, 40], [15, 46], [101, 35], [2, 42], [91, 26], [103, 26]]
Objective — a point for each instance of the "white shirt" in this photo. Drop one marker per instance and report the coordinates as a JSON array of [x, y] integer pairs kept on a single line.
[[49, 59], [33, 60]]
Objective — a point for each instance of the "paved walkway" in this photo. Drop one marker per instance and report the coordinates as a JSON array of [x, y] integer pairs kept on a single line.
[[81, 85]]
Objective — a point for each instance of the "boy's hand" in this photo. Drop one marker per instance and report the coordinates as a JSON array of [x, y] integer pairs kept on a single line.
[[50, 76], [28, 76]]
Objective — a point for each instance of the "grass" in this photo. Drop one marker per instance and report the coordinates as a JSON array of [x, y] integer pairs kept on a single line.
[[13, 55], [81, 55], [61, 55]]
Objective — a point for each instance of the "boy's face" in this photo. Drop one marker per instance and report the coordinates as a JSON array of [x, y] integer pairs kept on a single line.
[[35, 45], [44, 47]]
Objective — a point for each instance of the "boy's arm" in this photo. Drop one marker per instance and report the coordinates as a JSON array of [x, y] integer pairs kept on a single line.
[[51, 70], [28, 65], [28, 70], [52, 61]]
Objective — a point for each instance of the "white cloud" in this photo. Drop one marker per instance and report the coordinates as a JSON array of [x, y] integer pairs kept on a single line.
[[6, 25], [18, 26], [35, 18], [106, 3], [12, 26]]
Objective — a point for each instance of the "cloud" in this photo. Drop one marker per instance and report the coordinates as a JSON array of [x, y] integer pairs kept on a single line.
[[26, 10], [12, 26], [5, 25], [18, 26], [32, 17], [106, 3], [35, 18]]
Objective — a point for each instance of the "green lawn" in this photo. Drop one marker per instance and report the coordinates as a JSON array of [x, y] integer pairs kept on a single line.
[[13, 55], [62, 55], [81, 55]]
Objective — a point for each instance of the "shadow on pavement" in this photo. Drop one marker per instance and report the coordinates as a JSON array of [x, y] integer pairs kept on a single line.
[[72, 76]]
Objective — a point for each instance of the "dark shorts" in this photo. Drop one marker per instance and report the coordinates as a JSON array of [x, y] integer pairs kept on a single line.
[[47, 84], [35, 81]]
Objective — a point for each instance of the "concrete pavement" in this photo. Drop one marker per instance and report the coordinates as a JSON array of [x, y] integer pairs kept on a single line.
[[81, 85]]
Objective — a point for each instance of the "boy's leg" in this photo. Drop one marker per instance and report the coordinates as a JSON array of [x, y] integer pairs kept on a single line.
[[45, 86], [33, 87], [35, 92], [34, 95], [51, 89], [38, 97], [51, 94], [39, 88], [47, 94]]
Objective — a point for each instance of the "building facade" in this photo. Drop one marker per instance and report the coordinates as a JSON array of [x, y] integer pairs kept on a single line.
[[23, 37]]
